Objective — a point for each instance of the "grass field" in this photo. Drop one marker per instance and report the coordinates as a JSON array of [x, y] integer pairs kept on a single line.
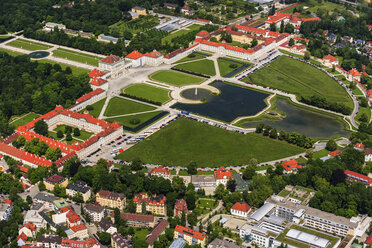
[[301, 79], [225, 66], [24, 119], [364, 110], [75, 70], [204, 66], [175, 78], [148, 92], [194, 27], [320, 154], [84, 135], [141, 233], [11, 53], [185, 140], [135, 26], [169, 37], [28, 45], [187, 58], [120, 106], [76, 56], [126, 120], [97, 107]]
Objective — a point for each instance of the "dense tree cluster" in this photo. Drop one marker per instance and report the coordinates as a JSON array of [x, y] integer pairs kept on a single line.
[[322, 102], [43, 87], [39, 148]]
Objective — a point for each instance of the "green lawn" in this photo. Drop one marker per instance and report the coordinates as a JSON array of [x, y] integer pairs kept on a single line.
[[28, 45], [23, 120], [97, 107], [76, 56], [169, 37], [141, 233], [194, 27], [225, 66], [75, 70], [320, 154], [301, 79], [84, 135], [364, 110], [194, 56], [148, 92], [127, 120], [70, 142], [206, 203], [121, 106], [284, 193], [186, 140], [175, 78], [11, 53], [204, 66], [357, 91]]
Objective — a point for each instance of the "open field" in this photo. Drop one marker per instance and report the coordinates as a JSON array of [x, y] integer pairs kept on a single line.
[[194, 56], [76, 56], [148, 92], [364, 110], [75, 70], [313, 7], [97, 107], [301, 79], [204, 66], [11, 53], [175, 78], [28, 45], [194, 27], [225, 68], [186, 140], [121, 106], [24, 119], [177, 33], [127, 120]]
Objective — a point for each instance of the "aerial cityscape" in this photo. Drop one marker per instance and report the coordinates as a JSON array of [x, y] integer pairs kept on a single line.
[[186, 123]]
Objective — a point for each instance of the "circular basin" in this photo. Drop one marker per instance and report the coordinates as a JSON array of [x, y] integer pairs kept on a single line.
[[197, 94], [38, 54]]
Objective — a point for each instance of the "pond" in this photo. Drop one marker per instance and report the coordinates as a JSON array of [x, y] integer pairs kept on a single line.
[[305, 122], [232, 103], [38, 54]]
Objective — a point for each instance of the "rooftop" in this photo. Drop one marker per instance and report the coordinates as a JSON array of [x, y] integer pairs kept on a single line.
[[158, 229], [55, 179], [241, 206], [137, 217], [189, 232]]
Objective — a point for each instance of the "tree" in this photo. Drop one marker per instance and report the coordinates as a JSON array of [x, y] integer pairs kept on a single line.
[[76, 132], [192, 168], [192, 219], [59, 134], [104, 238], [273, 27], [307, 55], [41, 127], [68, 129], [260, 127], [281, 27], [59, 191], [78, 197], [68, 137], [136, 164], [131, 206], [272, 10], [331, 145], [183, 219], [231, 185], [190, 200], [29, 200], [254, 42], [249, 173], [291, 42], [219, 191], [41, 186]]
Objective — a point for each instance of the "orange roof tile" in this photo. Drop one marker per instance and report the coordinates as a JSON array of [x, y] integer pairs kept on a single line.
[[154, 54], [354, 72], [134, 55], [89, 95], [189, 232], [335, 153], [290, 165], [222, 173], [111, 59], [241, 206], [160, 169], [96, 73], [98, 81], [78, 228]]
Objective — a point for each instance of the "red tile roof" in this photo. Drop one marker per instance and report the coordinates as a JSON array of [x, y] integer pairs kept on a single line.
[[78, 228], [158, 229], [359, 177], [354, 72], [29, 226], [22, 168], [203, 34], [335, 153], [7, 201], [370, 93], [310, 19], [290, 165], [134, 55], [98, 81], [330, 58], [174, 53], [90, 95], [222, 173], [161, 170], [180, 205], [243, 207], [96, 73], [369, 239], [79, 243], [137, 217], [154, 54], [359, 145], [111, 59], [22, 236], [189, 232], [55, 179], [369, 27], [143, 197], [203, 20]]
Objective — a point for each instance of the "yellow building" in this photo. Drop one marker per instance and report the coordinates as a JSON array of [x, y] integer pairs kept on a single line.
[[54, 180], [190, 236], [139, 10], [155, 205], [110, 199]]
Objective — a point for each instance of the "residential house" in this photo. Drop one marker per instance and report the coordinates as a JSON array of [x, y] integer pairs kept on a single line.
[[139, 10], [357, 177], [35, 218], [118, 241], [330, 61], [6, 207], [28, 229], [54, 180], [359, 146], [190, 236], [95, 212], [110, 199], [79, 187], [49, 240], [368, 154], [354, 74], [222, 176], [77, 232], [47, 200], [334, 153], [154, 204], [139, 220], [160, 171], [21, 240], [156, 231], [170, 5], [291, 166], [179, 207], [106, 225], [240, 209], [187, 10], [219, 243]]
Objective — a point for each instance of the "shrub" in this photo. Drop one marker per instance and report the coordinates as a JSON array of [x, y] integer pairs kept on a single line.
[[191, 55], [68, 137], [234, 66], [134, 121], [89, 107]]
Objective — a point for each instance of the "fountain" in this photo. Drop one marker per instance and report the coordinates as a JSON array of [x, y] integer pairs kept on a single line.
[[38, 54]]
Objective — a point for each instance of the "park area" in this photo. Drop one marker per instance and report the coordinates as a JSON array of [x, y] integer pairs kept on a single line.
[[204, 67], [28, 45], [191, 57], [134, 26], [303, 80], [21, 120], [95, 109], [76, 56], [69, 134], [121, 106], [134, 121], [186, 140], [180, 32], [227, 66], [175, 78], [145, 91]]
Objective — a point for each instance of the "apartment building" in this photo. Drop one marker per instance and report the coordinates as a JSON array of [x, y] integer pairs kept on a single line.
[[79, 187], [118, 241], [54, 180], [110, 199], [95, 212], [190, 236], [139, 220], [160, 171], [154, 204]]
